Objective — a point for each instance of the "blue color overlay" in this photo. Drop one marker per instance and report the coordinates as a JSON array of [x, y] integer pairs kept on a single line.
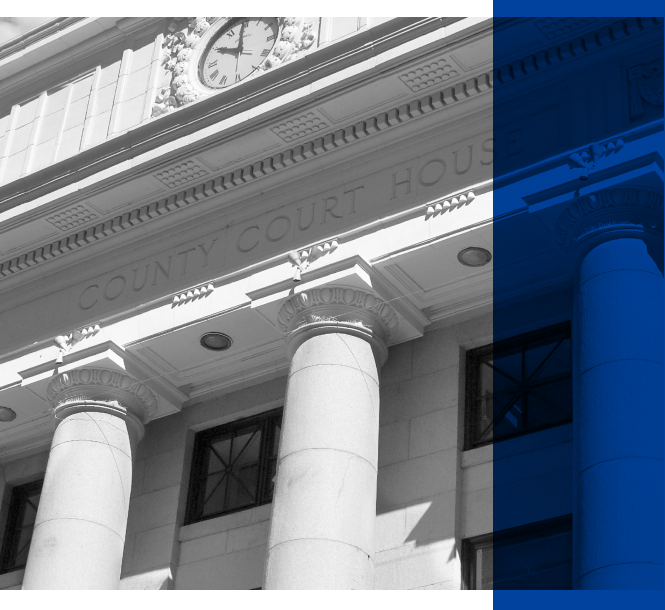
[[578, 249]]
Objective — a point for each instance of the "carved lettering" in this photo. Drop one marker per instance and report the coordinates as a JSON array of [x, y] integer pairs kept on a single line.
[[330, 209], [432, 172], [166, 272], [459, 171], [145, 278], [514, 144], [353, 192], [488, 147], [277, 234], [83, 297], [206, 252], [311, 220], [407, 182], [249, 248], [185, 253], [115, 290]]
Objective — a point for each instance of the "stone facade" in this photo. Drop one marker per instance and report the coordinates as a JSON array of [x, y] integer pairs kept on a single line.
[[318, 216]]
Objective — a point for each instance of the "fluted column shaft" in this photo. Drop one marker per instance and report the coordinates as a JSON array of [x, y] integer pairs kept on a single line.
[[324, 508], [80, 527]]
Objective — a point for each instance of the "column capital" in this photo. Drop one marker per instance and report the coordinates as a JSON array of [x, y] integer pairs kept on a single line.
[[624, 211], [101, 390], [339, 309]]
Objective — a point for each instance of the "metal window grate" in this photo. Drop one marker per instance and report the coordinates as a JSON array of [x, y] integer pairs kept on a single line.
[[233, 466], [518, 386], [20, 524]]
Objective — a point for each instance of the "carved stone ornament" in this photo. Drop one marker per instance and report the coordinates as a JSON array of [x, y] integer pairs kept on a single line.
[[186, 36], [102, 385], [338, 304], [646, 83], [609, 208]]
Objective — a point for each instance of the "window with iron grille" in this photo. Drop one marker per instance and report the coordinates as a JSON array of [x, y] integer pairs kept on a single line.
[[20, 523], [519, 385], [233, 466], [534, 556]]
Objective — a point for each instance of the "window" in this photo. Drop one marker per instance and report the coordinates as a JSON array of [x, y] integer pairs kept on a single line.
[[536, 556], [20, 523], [234, 466], [518, 386]]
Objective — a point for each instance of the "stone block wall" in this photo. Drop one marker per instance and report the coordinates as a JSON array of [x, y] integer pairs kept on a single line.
[[431, 493], [105, 101]]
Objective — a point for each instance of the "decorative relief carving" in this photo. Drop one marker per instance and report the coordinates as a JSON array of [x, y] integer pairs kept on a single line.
[[184, 33], [450, 203], [181, 174], [321, 145], [338, 304], [586, 159], [73, 217], [65, 343], [426, 75], [199, 292], [301, 259], [298, 127], [553, 27], [295, 38], [99, 384], [621, 205], [646, 83]]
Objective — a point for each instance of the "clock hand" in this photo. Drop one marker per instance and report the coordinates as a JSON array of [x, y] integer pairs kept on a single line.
[[242, 33], [227, 49]]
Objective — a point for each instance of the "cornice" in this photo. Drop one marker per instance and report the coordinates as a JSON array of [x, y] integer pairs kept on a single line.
[[37, 34], [375, 124], [279, 162]]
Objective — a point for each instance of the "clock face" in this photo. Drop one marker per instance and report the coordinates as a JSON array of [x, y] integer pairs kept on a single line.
[[238, 50]]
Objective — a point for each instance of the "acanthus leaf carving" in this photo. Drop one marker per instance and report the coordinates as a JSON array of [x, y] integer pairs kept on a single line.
[[340, 304], [99, 384], [296, 37], [610, 207]]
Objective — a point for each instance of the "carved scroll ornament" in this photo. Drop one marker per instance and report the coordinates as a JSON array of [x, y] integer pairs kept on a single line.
[[296, 36]]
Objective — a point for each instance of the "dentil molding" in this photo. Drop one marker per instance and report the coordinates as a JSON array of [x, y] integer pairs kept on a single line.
[[607, 208], [375, 124], [102, 385]]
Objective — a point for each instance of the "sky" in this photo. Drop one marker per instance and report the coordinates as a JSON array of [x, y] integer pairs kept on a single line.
[[11, 27]]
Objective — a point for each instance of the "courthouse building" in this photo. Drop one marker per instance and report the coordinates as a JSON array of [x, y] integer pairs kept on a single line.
[[346, 303]]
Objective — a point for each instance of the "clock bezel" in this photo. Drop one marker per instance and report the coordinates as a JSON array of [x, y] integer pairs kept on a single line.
[[208, 40]]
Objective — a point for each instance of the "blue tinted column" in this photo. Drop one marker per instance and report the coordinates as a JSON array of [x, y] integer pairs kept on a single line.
[[615, 239]]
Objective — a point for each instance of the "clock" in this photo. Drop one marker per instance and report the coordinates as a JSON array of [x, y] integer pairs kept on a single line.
[[237, 50]]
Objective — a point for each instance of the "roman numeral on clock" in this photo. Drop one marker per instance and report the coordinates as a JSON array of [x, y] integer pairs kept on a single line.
[[230, 34], [271, 37], [214, 75], [212, 64], [267, 26], [223, 81], [265, 52]]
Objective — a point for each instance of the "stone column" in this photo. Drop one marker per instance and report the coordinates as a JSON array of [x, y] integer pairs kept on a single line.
[[79, 533], [615, 243], [324, 507]]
